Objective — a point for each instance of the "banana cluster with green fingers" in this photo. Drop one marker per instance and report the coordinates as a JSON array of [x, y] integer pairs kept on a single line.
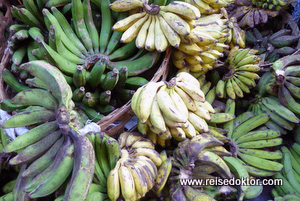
[[282, 119], [241, 73], [290, 175], [271, 5], [250, 142], [284, 82], [197, 158], [90, 55], [53, 150], [274, 46]]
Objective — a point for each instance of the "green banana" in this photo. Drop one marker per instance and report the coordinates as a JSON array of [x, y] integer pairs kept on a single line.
[[83, 169], [10, 80], [249, 125], [96, 72], [106, 25], [36, 149]]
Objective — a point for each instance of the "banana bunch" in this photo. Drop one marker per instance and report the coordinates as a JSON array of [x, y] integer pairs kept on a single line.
[[281, 118], [272, 47], [252, 16], [200, 157], [136, 171], [284, 82], [241, 74], [249, 142], [237, 35], [207, 7], [155, 27], [175, 109], [290, 174], [240, 171], [199, 51], [52, 150], [271, 5]]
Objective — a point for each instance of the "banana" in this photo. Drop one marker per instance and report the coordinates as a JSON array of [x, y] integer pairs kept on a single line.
[[146, 98], [261, 163], [192, 90], [184, 9], [210, 157], [250, 124], [240, 171], [106, 25], [261, 143], [150, 40], [125, 5], [167, 107], [220, 88], [161, 42], [177, 23], [30, 118], [53, 78], [132, 32], [36, 149], [156, 117], [140, 182], [172, 37], [44, 161], [258, 135], [142, 35], [199, 123], [126, 182], [262, 153], [150, 153], [124, 24], [57, 177], [143, 143], [188, 101], [221, 117], [178, 102], [162, 176], [113, 150], [113, 183]]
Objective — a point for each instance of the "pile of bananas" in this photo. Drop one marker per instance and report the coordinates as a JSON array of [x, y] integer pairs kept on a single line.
[[237, 35], [136, 171], [272, 47], [89, 54], [249, 138], [53, 150], [285, 82], [197, 158], [241, 73], [175, 109], [290, 175], [247, 15]]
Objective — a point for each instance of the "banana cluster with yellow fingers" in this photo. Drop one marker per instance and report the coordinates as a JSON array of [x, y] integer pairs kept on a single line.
[[251, 139], [241, 75], [176, 109], [200, 157], [207, 42], [237, 35], [137, 169], [155, 27]]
